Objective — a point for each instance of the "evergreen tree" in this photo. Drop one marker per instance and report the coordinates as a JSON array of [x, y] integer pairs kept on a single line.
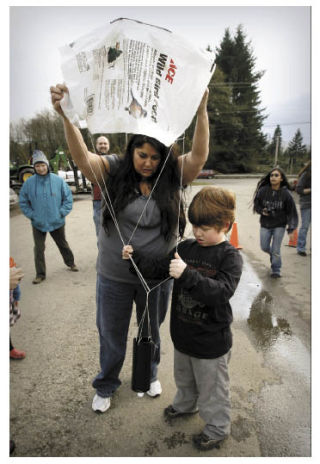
[[235, 59], [224, 123], [272, 147], [296, 150]]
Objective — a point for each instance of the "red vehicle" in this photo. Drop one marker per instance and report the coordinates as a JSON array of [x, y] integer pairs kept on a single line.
[[206, 174]]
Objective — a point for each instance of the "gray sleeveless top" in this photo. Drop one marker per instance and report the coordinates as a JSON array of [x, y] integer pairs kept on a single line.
[[146, 239]]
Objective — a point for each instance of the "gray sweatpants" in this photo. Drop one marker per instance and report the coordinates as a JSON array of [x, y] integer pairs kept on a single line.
[[204, 384]]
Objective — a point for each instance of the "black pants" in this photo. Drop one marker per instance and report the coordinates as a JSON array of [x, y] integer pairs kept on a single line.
[[58, 236]]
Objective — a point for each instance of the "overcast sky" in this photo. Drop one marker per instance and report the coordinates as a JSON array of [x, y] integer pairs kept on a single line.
[[279, 35]]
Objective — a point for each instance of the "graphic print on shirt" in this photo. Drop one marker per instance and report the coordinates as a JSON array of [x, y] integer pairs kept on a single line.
[[273, 205], [189, 309]]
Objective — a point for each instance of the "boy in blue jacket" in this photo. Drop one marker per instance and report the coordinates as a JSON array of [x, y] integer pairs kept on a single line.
[[46, 199]]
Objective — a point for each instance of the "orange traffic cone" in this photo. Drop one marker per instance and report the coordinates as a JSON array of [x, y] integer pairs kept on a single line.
[[293, 241], [234, 237]]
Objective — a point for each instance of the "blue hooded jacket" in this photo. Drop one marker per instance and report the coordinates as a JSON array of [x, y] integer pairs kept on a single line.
[[46, 200]]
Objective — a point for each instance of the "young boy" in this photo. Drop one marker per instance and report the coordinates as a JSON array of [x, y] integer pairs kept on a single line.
[[206, 272]]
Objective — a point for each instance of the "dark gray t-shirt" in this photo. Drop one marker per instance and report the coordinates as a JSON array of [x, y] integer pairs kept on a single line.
[[147, 237]]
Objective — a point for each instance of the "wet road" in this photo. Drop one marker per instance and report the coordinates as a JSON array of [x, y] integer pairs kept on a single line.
[[278, 329], [51, 389], [282, 409]]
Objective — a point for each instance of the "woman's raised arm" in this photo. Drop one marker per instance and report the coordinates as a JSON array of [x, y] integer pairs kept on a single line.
[[89, 163], [194, 161]]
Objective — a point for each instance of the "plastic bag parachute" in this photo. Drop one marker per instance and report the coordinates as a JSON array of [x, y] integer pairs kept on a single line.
[[136, 78]]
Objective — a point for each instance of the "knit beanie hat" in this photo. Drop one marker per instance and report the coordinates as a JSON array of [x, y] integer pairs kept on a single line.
[[39, 157]]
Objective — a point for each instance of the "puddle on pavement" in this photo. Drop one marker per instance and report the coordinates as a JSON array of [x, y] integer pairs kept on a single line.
[[273, 333], [249, 287], [264, 324]]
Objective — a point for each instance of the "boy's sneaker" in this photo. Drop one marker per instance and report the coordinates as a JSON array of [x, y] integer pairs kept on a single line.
[[155, 389], [204, 443], [100, 404], [171, 413]]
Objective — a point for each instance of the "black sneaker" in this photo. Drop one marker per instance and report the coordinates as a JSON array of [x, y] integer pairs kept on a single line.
[[302, 253], [38, 280], [275, 276], [204, 443], [171, 413]]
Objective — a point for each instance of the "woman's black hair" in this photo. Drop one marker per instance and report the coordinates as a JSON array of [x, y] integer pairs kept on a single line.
[[265, 180], [123, 187]]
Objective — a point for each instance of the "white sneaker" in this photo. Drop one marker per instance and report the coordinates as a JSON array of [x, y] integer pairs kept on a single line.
[[100, 404], [155, 389]]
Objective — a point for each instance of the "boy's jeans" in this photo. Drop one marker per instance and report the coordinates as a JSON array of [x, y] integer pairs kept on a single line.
[[303, 231], [275, 236], [114, 308]]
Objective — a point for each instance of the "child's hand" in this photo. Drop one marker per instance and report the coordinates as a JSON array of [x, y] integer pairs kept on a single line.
[[16, 275], [127, 251], [177, 266]]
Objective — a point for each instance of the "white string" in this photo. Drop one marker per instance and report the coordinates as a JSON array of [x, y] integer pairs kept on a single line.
[[109, 205], [114, 219], [177, 234], [144, 314], [150, 195], [181, 191]]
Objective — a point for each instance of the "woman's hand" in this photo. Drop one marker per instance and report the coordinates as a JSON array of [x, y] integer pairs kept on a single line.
[[127, 251], [57, 94], [203, 104], [177, 266], [196, 159]]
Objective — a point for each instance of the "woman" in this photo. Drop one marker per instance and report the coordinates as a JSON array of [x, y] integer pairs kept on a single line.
[[146, 215], [304, 190], [273, 201]]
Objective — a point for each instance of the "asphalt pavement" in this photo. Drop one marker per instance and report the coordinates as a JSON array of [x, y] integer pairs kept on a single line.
[[50, 390]]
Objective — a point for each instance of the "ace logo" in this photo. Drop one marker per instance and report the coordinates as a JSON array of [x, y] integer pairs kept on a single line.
[[171, 72]]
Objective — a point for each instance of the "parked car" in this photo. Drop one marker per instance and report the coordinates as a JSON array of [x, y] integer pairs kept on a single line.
[[14, 199], [206, 174], [68, 176]]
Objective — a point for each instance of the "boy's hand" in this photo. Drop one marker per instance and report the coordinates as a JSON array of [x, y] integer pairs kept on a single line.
[[127, 251], [177, 266]]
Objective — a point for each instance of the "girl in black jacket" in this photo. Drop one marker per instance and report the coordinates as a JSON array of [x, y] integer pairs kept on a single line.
[[277, 209]]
